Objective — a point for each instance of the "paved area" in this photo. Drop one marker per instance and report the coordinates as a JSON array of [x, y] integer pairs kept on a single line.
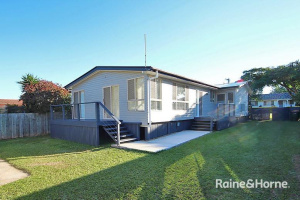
[[163, 143], [9, 174]]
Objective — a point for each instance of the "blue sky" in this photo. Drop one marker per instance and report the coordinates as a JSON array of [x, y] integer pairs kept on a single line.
[[204, 40]]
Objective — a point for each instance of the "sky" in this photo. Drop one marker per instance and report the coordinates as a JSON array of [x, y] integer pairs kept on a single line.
[[204, 40]]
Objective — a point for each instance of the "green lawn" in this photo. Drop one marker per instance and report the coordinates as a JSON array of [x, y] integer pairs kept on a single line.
[[66, 170]]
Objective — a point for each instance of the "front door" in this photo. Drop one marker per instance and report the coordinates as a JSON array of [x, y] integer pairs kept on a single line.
[[280, 104], [111, 100]]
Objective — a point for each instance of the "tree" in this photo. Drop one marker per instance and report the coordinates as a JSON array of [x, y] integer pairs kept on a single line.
[[285, 76], [278, 89], [38, 96], [28, 79], [13, 108]]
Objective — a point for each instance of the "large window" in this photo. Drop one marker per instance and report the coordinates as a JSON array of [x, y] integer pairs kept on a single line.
[[221, 98], [156, 94], [180, 97], [230, 97], [136, 94]]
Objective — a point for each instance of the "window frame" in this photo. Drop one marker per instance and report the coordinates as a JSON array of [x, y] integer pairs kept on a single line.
[[212, 95], [223, 102], [159, 83], [232, 98], [186, 97], [81, 106], [135, 100]]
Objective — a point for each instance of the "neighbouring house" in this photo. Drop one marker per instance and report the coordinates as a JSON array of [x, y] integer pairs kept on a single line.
[[142, 103], [5, 102], [279, 100]]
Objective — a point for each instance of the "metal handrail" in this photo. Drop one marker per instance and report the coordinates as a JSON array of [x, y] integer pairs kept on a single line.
[[97, 113]]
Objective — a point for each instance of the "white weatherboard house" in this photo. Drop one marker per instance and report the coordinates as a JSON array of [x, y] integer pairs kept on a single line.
[[280, 100], [146, 103]]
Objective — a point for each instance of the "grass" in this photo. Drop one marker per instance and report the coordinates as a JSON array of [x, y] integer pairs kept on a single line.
[[65, 170]]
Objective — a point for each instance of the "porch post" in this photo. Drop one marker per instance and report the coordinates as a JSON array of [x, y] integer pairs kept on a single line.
[[78, 111], [97, 112]]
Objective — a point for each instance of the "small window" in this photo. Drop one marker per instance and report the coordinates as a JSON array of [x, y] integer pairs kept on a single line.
[[156, 94], [254, 103], [291, 102], [212, 95], [136, 94], [221, 98], [230, 97], [180, 96], [265, 103], [272, 103]]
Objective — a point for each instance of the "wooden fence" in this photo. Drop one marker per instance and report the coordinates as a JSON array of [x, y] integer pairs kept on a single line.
[[17, 125]]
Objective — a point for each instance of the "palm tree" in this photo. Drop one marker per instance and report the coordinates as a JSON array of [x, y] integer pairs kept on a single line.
[[28, 79]]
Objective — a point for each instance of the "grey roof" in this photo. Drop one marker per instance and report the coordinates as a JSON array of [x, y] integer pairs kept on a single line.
[[229, 85], [135, 68], [275, 96]]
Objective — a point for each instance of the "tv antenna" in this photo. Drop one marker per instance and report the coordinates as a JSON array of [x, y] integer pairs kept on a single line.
[[145, 39]]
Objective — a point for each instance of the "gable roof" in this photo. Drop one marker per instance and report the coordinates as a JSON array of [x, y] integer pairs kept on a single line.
[[285, 95], [134, 68]]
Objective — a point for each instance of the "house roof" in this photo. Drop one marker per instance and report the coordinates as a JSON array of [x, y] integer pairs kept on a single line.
[[285, 95], [134, 68], [4, 102], [230, 85]]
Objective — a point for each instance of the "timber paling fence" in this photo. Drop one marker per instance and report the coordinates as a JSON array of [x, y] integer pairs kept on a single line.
[[16, 125]]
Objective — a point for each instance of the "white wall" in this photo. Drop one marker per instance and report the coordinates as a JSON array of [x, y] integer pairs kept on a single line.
[[93, 91], [240, 96], [167, 113]]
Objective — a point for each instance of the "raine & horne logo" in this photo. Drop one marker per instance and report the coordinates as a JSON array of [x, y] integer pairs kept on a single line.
[[250, 183]]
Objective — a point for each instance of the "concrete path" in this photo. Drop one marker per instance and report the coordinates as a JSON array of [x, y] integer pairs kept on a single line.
[[9, 174], [163, 143]]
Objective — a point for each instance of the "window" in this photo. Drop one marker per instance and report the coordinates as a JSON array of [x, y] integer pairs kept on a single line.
[[79, 98], [180, 97], [272, 103], [221, 98], [212, 95], [265, 103], [156, 95], [254, 103], [291, 102], [230, 97], [136, 94]]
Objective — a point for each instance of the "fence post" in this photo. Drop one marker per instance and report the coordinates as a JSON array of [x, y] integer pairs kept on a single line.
[[118, 135]]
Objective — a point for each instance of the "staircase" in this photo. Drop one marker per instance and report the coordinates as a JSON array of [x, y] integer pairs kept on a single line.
[[112, 130], [202, 124]]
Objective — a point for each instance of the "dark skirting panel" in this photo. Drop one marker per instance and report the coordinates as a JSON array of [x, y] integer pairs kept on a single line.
[[85, 132], [164, 128]]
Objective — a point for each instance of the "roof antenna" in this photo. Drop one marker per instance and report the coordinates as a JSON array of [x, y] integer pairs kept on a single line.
[[228, 80], [145, 50]]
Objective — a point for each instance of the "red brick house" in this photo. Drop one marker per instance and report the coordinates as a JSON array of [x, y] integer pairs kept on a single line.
[[4, 102]]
